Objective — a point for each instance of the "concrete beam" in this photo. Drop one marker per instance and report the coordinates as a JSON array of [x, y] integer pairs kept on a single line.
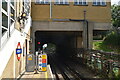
[[102, 26], [66, 26], [57, 26]]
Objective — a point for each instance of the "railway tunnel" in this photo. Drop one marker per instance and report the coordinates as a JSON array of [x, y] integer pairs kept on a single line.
[[64, 62], [65, 42]]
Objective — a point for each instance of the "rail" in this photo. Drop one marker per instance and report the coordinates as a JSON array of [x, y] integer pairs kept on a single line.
[[61, 68], [106, 64]]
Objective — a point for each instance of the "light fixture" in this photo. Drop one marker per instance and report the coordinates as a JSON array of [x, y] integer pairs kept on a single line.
[[22, 17]]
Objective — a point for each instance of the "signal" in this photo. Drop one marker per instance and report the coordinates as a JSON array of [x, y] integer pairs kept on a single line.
[[38, 42]]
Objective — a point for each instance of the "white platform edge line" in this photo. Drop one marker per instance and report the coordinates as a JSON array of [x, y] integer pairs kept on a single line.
[[21, 74], [51, 72]]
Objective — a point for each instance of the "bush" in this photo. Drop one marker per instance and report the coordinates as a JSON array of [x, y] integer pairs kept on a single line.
[[110, 43]]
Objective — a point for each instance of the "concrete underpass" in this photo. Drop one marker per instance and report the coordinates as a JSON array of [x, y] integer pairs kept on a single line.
[[62, 64], [66, 42]]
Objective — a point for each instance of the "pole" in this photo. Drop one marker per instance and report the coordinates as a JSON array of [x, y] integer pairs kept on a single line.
[[86, 30], [36, 64], [50, 9]]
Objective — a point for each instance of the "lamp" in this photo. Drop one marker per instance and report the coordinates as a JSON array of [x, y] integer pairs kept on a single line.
[[22, 17]]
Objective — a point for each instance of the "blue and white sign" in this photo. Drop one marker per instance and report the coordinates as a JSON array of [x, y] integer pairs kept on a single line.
[[18, 51], [44, 64]]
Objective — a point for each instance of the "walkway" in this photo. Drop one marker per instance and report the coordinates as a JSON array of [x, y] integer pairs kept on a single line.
[[41, 75]]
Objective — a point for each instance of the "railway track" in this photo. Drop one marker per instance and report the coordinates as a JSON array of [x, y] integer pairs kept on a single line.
[[81, 69], [54, 68], [62, 71]]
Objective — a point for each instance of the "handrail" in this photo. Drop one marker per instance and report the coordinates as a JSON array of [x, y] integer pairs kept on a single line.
[[103, 63]]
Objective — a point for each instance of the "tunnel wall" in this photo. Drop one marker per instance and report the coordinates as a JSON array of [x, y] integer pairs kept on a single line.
[[65, 41], [79, 42]]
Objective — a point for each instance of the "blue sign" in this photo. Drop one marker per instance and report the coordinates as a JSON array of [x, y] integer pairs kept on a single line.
[[18, 51], [40, 64], [44, 65]]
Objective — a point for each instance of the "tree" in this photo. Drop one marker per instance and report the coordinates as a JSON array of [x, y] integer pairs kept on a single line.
[[115, 15], [112, 41]]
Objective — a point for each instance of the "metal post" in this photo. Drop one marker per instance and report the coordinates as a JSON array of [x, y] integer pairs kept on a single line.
[[36, 68], [84, 14], [85, 32]]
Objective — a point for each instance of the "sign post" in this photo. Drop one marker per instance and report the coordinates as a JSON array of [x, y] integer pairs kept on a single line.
[[36, 66]]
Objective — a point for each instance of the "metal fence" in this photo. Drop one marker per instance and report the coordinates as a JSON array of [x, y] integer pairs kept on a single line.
[[106, 64]]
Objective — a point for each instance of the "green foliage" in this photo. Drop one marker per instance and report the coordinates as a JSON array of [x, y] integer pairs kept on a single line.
[[100, 46], [117, 77], [110, 43], [112, 40], [115, 15]]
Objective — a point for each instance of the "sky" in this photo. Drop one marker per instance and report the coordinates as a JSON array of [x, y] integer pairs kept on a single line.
[[115, 1]]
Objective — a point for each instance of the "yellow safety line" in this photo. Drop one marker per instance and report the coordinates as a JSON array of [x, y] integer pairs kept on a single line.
[[46, 75]]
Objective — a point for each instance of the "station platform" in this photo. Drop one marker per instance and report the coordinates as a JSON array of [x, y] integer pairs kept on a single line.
[[40, 76]]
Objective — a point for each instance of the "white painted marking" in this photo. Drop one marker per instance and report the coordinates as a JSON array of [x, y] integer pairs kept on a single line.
[[51, 72]]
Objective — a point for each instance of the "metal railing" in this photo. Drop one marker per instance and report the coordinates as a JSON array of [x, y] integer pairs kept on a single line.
[[106, 64]]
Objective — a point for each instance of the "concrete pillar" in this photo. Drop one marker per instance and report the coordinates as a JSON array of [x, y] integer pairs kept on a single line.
[[90, 35], [85, 35], [33, 42]]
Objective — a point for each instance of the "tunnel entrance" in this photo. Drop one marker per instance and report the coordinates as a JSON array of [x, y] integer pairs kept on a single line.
[[64, 42]]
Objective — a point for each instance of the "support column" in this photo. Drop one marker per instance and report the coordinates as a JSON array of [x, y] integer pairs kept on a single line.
[[90, 35], [85, 35], [33, 42]]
